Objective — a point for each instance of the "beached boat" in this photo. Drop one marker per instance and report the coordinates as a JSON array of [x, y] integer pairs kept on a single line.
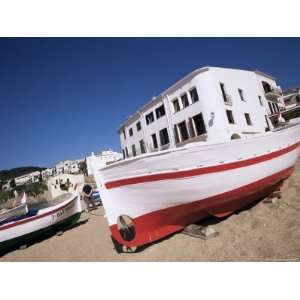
[[154, 195], [15, 212], [38, 222]]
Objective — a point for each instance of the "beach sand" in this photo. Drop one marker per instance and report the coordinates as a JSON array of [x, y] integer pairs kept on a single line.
[[264, 232]]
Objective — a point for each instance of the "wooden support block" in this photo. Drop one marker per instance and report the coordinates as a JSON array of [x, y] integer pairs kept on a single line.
[[202, 232]]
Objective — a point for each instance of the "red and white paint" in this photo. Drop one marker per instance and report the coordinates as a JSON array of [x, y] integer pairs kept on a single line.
[[164, 191]]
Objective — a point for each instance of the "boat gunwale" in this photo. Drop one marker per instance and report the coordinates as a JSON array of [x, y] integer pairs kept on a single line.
[[200, 146], [182, 173]]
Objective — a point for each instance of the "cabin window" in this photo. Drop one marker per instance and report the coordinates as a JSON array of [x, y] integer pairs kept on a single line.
[[176, 105], [184, 100], [241, 93], [164, 137], [183, 131], [154, 141], [130, 132], [160, 111], [260, 100], [194, 95], [149, 118], [126, 152], [142, 146], [248, 119], [133, 150], [199, 124], [138, 126], [124, 134], [230, 116]]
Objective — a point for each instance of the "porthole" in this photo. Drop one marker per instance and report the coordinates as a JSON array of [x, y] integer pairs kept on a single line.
[[126, 228]]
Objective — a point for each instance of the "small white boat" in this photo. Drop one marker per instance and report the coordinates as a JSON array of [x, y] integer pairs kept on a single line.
[[15, 212], [38, 222], [154, 195]]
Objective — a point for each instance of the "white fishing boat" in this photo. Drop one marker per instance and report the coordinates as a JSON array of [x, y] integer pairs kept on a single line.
[[38, 222], [153, 195], [14, 212]]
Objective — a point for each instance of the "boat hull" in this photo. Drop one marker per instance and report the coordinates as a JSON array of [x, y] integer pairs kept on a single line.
[[164, 192], [47, 222]]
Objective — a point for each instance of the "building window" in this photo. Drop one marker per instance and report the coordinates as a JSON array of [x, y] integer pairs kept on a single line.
[[124, 155], [130, 132], [138, 126], [230, 116], [124, 134], [176, 134], [194, 95], [142, 146], [176, 105], [160, 111], [184, 100], [133, 150], [241, 93], [126, 152], [199, 124], [149, 118], [260, 100], [154, 141], [248, 120], [268, 126], [222, 86], [271, 108], [164, 137], [183, 131]]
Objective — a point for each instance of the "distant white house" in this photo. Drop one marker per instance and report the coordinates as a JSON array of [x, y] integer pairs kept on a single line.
[[28, 178], [64, 183], [104, 158], [6, 185], [47, 173]]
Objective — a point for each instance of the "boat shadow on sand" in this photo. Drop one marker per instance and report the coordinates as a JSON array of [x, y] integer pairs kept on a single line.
[[42, 237]]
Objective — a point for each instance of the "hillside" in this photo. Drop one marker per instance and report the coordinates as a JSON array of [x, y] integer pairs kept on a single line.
[[16, 172]]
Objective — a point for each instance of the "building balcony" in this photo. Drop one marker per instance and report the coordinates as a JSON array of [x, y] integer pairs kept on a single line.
[[273, 94]]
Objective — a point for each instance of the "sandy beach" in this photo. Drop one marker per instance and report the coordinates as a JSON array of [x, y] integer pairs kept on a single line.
[[264, 232]]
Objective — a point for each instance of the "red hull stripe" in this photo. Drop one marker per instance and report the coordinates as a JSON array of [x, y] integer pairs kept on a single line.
[[201, 171], [3, 227], [161, 223]]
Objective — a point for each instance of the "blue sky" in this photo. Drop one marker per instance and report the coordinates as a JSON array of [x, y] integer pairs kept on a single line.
[[62, 98]]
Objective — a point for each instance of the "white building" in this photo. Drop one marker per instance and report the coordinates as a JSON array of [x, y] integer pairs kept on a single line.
[[64, 183], [208, 104], [68, 166], [28, 178], [47, 173], [104, 158]]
